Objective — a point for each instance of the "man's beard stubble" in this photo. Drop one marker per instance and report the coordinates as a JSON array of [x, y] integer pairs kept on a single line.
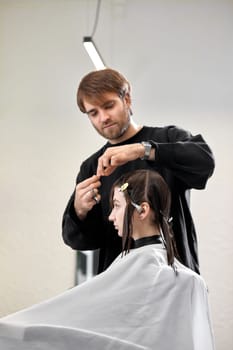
[[117, 135]]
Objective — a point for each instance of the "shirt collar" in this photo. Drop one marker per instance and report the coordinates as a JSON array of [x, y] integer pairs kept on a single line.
[[156, 239]]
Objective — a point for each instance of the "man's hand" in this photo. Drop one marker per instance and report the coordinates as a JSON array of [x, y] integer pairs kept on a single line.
[[86, 196], [119, 155]]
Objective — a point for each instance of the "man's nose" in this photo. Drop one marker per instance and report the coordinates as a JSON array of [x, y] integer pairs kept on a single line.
[[103, 116]]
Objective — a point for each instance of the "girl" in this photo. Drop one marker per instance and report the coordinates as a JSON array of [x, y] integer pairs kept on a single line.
[[146, 299], [140, 204]]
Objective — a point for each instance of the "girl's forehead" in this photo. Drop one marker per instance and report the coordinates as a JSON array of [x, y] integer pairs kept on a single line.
[[118, 195]]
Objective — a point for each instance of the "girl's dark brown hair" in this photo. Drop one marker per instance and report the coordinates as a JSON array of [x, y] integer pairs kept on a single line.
[[147, 186], [97, 83]]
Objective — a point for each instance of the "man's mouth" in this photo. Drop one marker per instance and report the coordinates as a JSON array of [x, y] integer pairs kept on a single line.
[[109, 125]]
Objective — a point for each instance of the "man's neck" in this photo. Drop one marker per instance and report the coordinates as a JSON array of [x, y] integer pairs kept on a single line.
[[132, 130]]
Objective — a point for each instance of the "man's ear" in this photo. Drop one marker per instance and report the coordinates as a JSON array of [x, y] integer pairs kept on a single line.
[[128, 99]]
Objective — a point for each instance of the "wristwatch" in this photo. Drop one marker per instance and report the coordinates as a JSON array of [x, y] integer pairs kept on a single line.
[[147, 145]]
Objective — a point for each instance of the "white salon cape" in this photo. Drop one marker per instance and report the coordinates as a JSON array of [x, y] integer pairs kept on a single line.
[[137, 303]]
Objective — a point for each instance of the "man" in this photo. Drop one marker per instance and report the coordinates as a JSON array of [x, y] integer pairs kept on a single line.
[[185, 161]]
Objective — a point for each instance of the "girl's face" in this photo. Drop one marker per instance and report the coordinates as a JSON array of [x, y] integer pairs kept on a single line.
[[118, 210]]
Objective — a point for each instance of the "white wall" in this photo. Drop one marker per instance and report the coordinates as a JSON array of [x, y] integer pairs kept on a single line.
[[178, 56]]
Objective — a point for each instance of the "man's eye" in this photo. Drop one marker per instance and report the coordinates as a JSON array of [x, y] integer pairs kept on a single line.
[[109, 105], [92, 114]]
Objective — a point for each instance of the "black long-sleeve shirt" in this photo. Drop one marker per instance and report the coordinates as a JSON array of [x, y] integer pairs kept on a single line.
[[185, 162]]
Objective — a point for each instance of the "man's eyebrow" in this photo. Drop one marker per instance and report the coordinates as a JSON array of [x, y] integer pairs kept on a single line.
[[102, 105], [106, 102]]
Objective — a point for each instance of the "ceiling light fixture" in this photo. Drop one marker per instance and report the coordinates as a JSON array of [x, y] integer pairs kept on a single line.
[[90, 45], [93, 52]]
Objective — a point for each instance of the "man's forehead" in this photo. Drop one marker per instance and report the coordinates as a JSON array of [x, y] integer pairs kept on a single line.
[[99, 99]]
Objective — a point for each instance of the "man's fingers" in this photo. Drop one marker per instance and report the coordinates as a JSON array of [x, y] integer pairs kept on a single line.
[[107, 171], [103, 163], [107, 164], [87, 195], [91, 195], [88, 185], [117, 156], [91, 181], [96, 198]]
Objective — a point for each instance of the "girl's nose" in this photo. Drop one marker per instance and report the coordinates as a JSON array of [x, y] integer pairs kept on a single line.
[[110, 218]]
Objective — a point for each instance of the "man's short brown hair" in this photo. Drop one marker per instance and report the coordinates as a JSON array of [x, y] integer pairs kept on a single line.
[[97, 83]]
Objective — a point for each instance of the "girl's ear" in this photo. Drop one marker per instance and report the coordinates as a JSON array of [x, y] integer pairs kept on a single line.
[[145, 209]]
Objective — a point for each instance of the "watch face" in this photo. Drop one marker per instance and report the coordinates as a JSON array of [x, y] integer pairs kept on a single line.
[[147, 146]]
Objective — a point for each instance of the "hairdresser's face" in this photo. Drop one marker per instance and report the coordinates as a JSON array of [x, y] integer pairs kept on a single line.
[[110, 117], [118, 211]]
